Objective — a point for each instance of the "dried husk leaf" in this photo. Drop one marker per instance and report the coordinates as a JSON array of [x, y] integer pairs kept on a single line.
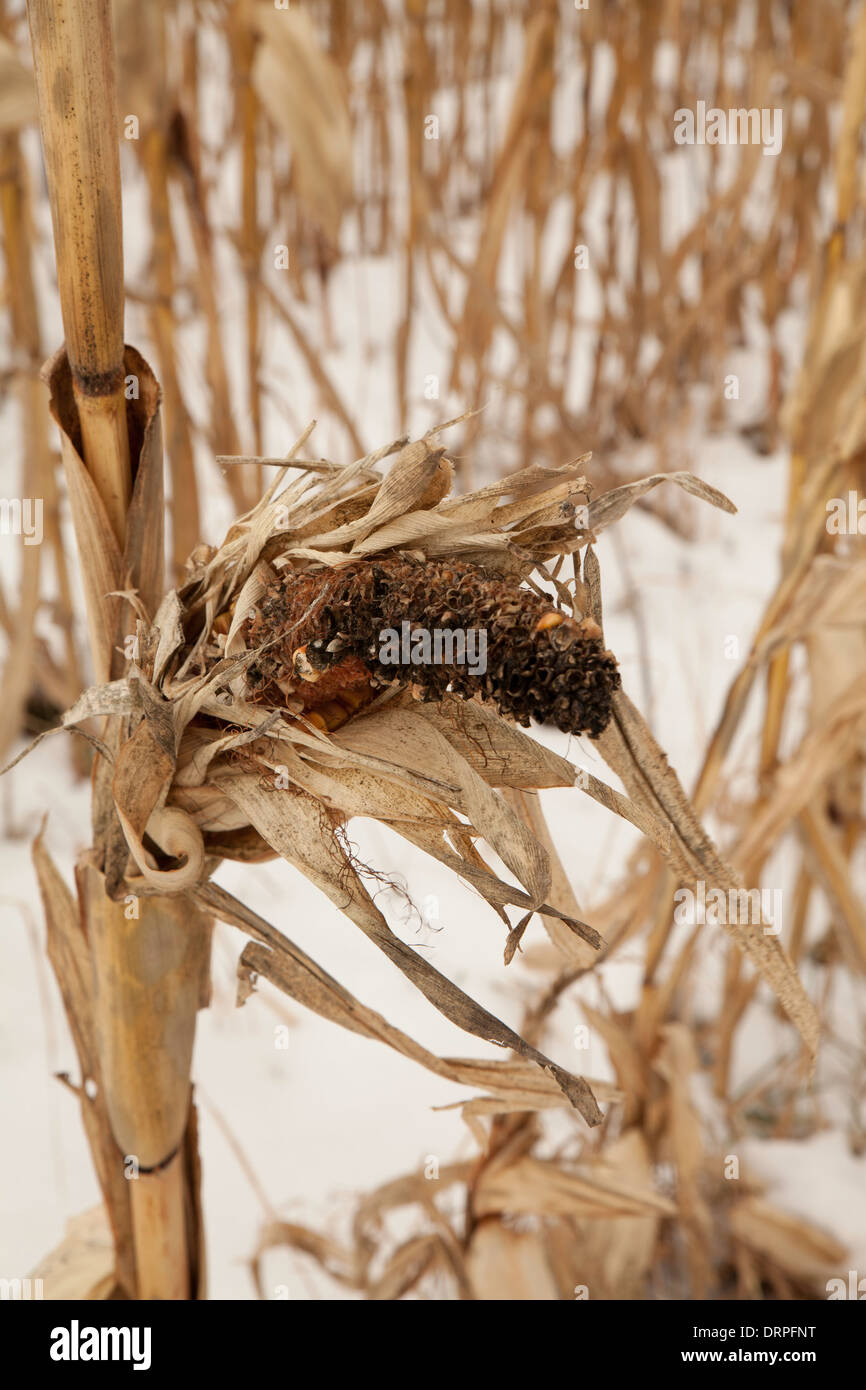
[[306, 840], [105, 570], [81, 1267], [533, 1186], [630, 750], [70, 960], [146, 1052], [613, 505]]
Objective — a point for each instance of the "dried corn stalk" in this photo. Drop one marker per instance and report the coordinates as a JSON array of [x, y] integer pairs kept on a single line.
[[234, 753]]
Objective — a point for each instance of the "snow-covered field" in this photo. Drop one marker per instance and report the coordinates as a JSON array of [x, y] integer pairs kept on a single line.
[[297, 1130]]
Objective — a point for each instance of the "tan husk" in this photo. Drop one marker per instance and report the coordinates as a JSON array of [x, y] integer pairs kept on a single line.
[[199, 743]]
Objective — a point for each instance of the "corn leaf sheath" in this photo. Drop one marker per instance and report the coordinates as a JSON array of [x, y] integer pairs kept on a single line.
[[147, 959]]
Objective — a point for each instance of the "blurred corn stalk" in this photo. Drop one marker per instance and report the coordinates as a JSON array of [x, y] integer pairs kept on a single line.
[[815, 794], [26, 697], [513, 1225]]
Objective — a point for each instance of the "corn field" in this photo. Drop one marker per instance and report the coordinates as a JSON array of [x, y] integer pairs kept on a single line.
[[433, 650]]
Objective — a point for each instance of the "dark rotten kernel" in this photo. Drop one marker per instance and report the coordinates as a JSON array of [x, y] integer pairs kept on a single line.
[[541, 664]]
